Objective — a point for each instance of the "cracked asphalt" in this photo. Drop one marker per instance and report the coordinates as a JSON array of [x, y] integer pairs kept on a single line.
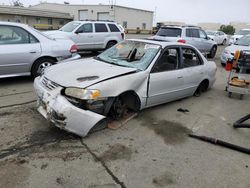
[[151, 151]]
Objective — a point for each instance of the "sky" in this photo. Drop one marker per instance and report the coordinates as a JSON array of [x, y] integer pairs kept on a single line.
[[188, 11]]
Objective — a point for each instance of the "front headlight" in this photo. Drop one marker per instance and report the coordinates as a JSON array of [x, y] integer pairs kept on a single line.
[[84, 94]]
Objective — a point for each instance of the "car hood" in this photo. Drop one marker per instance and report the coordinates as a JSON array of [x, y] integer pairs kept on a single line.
[[211, 36], [84, 73], [237, 36], [234, 48]]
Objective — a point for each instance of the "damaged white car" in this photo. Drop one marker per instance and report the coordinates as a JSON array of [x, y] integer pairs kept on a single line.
[[81, 96]]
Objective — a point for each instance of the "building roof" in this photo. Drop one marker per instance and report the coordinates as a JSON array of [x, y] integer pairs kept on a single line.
[[33, 12], [93, 5]]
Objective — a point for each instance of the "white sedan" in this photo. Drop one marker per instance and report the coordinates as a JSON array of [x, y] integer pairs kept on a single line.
[[218, 36], [26, 51], [131, 76]]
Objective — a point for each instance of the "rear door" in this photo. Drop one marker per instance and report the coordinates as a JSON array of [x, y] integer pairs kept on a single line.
[[193, 68], [18, 50], [84, 36], [101, 33], [192, 37], [166, 80]]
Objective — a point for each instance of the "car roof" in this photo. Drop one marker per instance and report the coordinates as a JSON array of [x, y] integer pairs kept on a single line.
[[163, 44], [94, 21], [180, 26], [246, 29], [13, 24]]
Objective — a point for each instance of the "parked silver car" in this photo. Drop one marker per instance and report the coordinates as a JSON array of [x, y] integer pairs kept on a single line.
[[188, 34], [238, 35], [131, 76], [26, 51], [90, 35], [241, 44]]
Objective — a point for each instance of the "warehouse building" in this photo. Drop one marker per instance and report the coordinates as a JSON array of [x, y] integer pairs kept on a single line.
[[129, 18], [40, 19]]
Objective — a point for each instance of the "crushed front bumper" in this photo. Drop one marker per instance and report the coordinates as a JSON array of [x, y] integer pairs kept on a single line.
[[57, 109]]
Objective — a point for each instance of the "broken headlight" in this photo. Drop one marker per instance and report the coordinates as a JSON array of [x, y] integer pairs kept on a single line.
[[84, 94]]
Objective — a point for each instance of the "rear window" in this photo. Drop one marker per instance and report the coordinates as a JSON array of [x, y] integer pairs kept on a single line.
[[100, 28], [169, 32], [113, 28]]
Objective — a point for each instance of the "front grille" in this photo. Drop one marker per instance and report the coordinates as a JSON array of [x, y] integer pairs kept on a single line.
[[49, 84]]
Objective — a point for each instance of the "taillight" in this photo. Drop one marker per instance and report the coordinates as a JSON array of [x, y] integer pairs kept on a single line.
[[123, 36], [182, 41], [73, 48]]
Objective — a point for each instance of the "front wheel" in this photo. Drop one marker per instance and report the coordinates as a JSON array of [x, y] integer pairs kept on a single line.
[[40, 65], [224, 42], [212, 52]]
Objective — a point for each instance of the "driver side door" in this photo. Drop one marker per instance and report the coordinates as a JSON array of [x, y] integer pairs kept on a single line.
[[166, 80], [84, 37]]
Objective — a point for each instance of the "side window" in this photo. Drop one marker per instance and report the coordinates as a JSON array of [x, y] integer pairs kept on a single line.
[[168, 61], [85, 28], [189, 32], [15, 35], [195, 33], [100, 28], [190, 58], [113, 28], [203, 34]]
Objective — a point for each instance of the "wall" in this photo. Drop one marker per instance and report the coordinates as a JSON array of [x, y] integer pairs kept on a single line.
[[134, 17]]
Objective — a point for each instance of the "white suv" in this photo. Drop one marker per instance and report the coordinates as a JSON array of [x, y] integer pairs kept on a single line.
[[90, 35]]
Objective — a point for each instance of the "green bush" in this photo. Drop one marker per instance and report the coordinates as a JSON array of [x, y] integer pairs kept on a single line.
[[228, 29]]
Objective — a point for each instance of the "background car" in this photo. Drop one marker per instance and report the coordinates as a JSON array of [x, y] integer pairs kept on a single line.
[[133, 75], [241, 44], [218, 36], [188, 34], [26, 51], [238, 35], [90, 35]]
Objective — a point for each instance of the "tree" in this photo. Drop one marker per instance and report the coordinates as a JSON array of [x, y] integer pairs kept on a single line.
[[228, 29], [17, 3]]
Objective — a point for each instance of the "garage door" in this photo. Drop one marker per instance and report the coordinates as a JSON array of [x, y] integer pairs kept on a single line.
[[83, 15], [103, 15]]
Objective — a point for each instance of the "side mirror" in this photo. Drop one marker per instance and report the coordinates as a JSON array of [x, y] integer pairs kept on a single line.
[[79, 31], [208, 38]]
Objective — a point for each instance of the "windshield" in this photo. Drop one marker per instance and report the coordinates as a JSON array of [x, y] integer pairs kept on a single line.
[[243, 41], [243, 32], [69, 27], [210, 32], [169, 32], [131, 54]]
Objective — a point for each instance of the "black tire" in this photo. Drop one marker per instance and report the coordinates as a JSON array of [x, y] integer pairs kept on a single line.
[[201, 88], [230, 94], [224, 42], [241, 96], [110, 44], [40, 64], [212, 52]]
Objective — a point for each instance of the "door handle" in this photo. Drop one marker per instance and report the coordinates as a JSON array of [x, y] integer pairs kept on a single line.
[[179, 77], [90, 36], [201, 72], [33, 52]]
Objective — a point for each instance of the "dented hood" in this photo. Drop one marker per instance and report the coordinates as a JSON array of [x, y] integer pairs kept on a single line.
[[84, 72]]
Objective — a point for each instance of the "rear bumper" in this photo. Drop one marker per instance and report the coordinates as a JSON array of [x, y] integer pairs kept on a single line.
[[58, 110]]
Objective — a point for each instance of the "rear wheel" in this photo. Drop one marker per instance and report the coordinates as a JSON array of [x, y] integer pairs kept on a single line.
[[201, 88], [110, 44], [39, 66]]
